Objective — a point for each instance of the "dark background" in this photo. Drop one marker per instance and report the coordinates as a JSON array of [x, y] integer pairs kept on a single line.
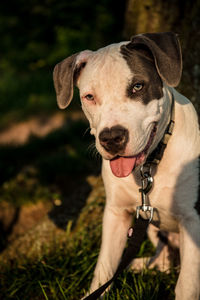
[[35, 35]]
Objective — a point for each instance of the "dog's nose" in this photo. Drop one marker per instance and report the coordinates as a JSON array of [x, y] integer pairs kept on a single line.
[[114, 139]]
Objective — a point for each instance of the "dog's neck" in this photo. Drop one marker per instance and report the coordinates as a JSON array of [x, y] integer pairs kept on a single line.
[[166, 116]]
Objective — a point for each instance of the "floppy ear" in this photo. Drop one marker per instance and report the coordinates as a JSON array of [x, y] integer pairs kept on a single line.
[[166, 51], [65, 75]]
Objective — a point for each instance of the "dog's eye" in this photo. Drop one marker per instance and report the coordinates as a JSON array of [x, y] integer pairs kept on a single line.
[[137, 87], [89, 97]]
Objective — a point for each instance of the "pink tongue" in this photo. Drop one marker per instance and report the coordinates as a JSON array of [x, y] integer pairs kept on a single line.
[[122, 166]]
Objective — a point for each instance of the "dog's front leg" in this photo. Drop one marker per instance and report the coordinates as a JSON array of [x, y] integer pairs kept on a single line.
[[188, 285], [115, 226]]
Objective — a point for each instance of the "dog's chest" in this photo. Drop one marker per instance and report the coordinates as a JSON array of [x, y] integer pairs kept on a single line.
[[163, 203], [126, 196]]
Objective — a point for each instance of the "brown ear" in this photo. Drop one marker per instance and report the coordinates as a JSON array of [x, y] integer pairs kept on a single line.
[[63, 76], [166, 52]]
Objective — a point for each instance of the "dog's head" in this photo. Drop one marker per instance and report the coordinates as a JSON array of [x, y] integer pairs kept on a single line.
[[123, 94]]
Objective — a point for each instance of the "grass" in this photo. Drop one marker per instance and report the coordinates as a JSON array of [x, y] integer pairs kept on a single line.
[[26, 94], [65, 272], [23, 95]]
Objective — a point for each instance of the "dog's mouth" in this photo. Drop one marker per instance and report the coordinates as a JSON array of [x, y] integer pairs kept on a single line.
[[122, 166]]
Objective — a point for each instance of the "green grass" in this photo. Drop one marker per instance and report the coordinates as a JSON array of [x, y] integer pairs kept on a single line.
[[26, 94], [65, 270]]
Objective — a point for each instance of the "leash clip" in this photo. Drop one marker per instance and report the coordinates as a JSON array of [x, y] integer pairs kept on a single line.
[[144, 208], [147, 182]]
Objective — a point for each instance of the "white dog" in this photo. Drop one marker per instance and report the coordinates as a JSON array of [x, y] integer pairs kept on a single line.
[[127, 93]]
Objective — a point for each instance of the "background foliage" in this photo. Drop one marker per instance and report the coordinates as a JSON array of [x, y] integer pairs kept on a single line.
[[35, 35]]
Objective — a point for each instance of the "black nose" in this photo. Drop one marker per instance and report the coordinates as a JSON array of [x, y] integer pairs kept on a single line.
[[114, 139]]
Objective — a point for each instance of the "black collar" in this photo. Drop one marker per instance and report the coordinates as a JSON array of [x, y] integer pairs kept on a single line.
[[157, 154]]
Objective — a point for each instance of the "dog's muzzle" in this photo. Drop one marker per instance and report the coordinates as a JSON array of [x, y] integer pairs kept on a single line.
[[114, 139]]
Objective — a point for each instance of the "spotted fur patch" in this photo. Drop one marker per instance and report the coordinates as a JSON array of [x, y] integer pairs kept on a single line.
[[141, 64]]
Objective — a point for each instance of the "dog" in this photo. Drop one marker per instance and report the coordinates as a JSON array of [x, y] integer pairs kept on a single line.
[[126, 92]]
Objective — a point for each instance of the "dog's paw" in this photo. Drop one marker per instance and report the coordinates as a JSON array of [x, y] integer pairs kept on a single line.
[[139, 264], [162, 264]]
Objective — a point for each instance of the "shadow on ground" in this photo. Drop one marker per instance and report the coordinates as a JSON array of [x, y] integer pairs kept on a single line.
[[51, 169]]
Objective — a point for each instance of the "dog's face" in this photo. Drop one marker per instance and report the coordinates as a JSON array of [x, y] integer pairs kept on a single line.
[[123, 103], [123, 95]]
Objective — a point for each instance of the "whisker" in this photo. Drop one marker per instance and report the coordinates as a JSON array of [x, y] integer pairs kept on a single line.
[[87, 129], [92, 150], [91, 146]]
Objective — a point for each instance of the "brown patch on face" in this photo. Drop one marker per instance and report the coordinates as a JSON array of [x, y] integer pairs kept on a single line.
[[141, 64]]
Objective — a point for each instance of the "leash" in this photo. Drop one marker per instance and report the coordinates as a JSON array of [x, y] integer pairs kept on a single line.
[[134, 242], [137, 234]]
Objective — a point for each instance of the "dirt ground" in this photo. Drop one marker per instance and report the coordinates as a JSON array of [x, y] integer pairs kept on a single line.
[[37, 220]]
